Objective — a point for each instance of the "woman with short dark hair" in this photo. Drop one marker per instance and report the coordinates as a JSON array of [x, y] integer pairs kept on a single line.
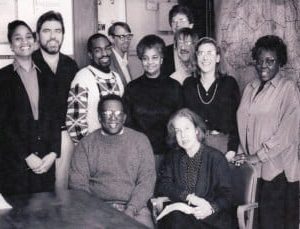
[[268, 122], [195, 174], [152, 98], [28, 126]]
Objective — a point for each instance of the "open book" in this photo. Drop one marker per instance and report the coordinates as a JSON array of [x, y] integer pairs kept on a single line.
[[176, 207]]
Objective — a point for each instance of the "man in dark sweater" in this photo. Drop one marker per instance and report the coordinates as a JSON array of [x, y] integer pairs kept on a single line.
[[115, 163], [60, 70]]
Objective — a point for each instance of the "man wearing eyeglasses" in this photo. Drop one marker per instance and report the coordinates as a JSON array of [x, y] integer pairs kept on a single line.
[[116, 163], [88, 87], [179, 17], [120, 34]]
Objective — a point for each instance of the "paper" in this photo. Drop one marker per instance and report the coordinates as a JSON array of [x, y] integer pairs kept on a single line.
[[4, 204], [176, 207]]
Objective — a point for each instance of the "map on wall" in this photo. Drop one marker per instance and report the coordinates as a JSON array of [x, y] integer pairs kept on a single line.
[[242, 22]]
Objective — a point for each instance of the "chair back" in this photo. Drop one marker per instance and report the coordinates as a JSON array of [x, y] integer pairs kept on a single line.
[[244, 182]]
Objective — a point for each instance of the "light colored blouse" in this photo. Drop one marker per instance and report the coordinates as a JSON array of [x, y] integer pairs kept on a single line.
[[268, 125]]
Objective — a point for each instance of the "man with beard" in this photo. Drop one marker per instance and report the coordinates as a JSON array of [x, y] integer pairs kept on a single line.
[[116, 163], [121, 36], [89, 85], [179, 17], [184, 43], [60, 69]]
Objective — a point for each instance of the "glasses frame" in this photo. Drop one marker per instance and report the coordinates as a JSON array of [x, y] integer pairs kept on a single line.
[[270, 62], [124, 37]]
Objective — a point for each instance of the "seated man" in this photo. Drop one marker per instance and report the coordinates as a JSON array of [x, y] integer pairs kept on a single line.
[[115, 163]]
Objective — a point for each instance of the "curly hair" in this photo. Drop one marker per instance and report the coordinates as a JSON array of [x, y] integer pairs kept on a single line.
[[271, 43], [190, 115]]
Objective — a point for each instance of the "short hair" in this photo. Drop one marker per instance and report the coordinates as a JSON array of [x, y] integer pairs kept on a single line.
[[185, 32], [94, 37], [148, 42], [208, 40], [12, 26], [107, 98], [271, 43], [180, 9], [190, 115], [50, 16], [112, 28]]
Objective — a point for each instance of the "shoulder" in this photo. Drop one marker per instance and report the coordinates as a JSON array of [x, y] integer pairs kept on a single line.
[[83, 76], [228, 80], [136, 136], [91, 138], [7, 69], [135, 83], [66, 59], [214, 154], [190, 81]]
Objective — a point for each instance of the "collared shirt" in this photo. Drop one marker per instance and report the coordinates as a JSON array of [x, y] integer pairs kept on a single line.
[[268, 126], [30, 82], [123, 64]]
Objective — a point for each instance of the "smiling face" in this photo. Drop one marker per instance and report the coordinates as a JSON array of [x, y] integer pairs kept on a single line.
[[112, 117], [101, 52], [186, 133], [51, 36], [207, 57], [151, 61], [185, 48], [267, 65], [22, 41]]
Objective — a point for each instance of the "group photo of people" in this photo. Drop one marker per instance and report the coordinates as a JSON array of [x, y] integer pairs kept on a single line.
[[173, 132]]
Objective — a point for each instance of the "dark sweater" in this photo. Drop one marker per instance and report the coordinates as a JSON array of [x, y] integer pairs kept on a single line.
[[115, 167], [220, 114], [149, 104]]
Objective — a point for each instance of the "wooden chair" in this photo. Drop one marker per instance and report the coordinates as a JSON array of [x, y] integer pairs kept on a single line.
[[244, 181]]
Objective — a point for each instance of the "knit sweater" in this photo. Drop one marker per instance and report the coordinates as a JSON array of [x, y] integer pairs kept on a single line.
[[88, 86], [117, 168], [149, 103]]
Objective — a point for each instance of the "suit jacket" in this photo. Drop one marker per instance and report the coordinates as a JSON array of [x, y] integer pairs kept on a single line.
[[115, 66], [21, 135], [168, 66]]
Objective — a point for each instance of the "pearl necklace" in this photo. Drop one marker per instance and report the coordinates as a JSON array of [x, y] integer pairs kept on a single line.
[[212, 98]]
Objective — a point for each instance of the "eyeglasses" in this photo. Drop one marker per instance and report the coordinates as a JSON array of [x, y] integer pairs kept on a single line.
[[124, 37], [179, 21], [109, 114], [207, 53], [269, 62], [186, 43]]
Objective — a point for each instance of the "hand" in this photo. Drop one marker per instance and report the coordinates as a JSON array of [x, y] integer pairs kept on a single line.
[[197, 201], [33, 161], [203, 212], [47, 162], [130, 212], [239, 159], [230, 155], [252, 159]]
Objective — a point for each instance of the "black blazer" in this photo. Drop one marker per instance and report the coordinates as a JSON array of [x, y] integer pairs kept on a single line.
[[20, 134]]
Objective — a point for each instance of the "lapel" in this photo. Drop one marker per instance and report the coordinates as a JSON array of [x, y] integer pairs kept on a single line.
[[203, 174], [115, 66]]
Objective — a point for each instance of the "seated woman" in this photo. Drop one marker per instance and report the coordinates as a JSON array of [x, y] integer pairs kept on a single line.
[[214, 97], [185, 61], [152, 98], [195, 174], [28, 124]]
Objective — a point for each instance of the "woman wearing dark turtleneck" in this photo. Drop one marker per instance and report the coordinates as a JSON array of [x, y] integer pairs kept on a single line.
[[151, 99]]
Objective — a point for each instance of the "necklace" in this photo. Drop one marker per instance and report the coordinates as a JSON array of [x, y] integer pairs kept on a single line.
[[212, 98]]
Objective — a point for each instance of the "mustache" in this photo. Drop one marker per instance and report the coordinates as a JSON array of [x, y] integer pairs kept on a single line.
[[53, 40]]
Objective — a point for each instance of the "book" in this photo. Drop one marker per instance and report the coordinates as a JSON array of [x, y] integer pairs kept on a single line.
[[176, 207]]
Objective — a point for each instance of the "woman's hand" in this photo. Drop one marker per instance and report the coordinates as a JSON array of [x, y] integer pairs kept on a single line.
[[33, 161], [230, 155], [47, 162], [203, 211]]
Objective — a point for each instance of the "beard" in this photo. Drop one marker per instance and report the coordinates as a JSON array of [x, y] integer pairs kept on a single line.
[[50, 50]]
